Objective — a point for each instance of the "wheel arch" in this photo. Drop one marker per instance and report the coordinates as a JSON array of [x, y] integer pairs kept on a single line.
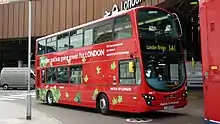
[[99, 94]]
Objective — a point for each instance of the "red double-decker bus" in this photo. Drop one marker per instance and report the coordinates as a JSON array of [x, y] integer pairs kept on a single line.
[[210, 30], [131, 61]]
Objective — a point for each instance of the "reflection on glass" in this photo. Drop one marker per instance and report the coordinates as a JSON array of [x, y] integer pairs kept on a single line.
[[51, 45], [154, 23], [163, 62], [164, 71], [41, 47]]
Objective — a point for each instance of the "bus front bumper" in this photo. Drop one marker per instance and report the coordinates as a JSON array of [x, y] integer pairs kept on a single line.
[[145, 106]]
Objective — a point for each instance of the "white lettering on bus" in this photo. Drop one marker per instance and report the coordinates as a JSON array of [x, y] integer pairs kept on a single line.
[[74, 57], [169, 103], [118, 53], [88, 54], [120, 89], [110, 50], [114, 45], [92, 53]]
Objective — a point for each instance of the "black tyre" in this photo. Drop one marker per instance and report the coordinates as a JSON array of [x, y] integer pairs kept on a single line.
[[5, 87], [103, 104], [49, 98]]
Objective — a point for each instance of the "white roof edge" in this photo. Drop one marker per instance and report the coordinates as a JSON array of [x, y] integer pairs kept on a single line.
[[89, 23]]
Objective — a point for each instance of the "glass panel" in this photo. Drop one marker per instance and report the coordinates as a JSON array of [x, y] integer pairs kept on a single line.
[[123, 27], [76, 74], [51, 75], [76, 39], [126, 77], [138, 73], [103, 33], [164, 71], [63, 42], [154, 23], [43, 76], [51, 45], [88, 37], [62, 75], [41, 47]]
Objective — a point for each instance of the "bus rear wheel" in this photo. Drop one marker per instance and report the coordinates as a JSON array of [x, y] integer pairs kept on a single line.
[[49, 98], [103, 104]]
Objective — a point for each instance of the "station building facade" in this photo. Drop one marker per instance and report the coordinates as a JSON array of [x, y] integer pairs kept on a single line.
[[50, 16]]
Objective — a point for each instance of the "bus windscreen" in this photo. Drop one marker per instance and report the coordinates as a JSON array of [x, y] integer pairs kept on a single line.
[[163, 60]]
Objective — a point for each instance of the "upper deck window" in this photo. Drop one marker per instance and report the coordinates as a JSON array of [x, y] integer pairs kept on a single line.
[[51, 45], [63, 41], [88, 37], [76, 38], [122, 27], [154, 23], [103, 33], [41, 47]]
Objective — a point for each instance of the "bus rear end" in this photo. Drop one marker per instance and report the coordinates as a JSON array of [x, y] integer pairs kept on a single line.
[[210, 30], [162, 60]]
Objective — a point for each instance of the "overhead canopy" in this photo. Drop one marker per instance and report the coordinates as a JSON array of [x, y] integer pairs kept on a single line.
[[182, 7], [169, 3]]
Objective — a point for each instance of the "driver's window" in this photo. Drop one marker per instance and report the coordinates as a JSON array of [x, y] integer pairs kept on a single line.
[[126, 77]]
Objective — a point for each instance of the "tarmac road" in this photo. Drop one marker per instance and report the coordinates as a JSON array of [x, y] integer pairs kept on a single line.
[[192, 114]]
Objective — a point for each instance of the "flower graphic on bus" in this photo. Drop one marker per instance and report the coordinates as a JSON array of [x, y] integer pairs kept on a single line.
[[98, 70], [43, 61], [67, 95], [95, 93], [114, 101], [78, 97], [86, 78], [113, 66], [117, 100], [120, 99]]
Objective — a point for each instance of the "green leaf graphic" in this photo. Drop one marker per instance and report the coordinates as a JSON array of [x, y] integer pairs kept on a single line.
[[120, 99], [78, 97], [56, 94]]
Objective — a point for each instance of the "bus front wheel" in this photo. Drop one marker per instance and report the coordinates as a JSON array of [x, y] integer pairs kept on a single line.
[[49, 98], [5, 87], [103, 104]]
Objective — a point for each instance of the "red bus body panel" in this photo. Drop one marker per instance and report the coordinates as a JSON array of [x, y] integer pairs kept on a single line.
[[210, 34], [105, 57]]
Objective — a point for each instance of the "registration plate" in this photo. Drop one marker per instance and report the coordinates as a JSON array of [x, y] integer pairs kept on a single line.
[[170, 107]]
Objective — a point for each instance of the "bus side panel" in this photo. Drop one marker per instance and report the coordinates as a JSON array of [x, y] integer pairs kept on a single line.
[[97, 77], [210, 30]]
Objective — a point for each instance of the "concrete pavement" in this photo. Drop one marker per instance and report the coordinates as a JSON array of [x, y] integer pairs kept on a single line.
[[11, 113]]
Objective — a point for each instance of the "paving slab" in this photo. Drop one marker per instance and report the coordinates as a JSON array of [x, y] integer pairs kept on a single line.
[[11, 113]]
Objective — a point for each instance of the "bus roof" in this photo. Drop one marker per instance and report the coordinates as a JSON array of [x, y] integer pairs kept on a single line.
[[93, 22]]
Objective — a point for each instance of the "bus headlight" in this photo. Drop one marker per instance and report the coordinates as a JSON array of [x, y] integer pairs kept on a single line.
[[148, 99], [185, 95]]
